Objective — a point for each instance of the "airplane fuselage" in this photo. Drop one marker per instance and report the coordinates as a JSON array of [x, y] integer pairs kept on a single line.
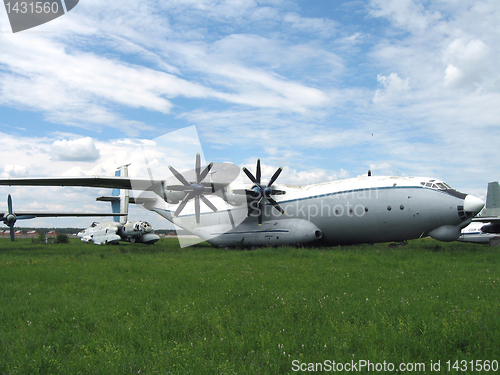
[[113, 232], [358, 210], [475, 234], [364, 209]]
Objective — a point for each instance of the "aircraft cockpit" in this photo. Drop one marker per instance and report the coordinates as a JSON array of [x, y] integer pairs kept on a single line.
[[444, 187], [436, 184], [142, 226]]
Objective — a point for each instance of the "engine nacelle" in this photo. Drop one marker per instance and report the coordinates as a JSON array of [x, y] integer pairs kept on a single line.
[[271, 233], [234, 199], [174, 197], [135, 228], [491, 228], [446, 233], [148, 238]]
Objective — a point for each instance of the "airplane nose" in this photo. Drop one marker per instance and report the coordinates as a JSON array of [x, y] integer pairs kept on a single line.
[[473, 204]]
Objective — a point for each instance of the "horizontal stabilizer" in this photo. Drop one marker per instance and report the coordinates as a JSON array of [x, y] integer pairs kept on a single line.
[[132, 200]]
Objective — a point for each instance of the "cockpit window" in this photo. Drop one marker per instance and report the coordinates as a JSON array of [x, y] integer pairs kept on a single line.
[[433, 184]]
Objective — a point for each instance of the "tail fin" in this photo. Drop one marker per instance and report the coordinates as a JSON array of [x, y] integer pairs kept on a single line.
[[124, 195], [119, 198], [492, 207]]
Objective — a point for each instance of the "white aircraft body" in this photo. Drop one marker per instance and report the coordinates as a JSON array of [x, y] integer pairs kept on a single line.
[[120, 229], [358, 210], [112, 232], [486, 227]]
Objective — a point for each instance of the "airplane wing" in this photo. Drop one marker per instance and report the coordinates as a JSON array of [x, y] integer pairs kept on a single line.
[[487, 219], [87, 181], [31, 215], [221, 175], [132, 200]]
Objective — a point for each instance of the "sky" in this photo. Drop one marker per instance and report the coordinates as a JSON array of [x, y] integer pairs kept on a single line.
[[325, 89]]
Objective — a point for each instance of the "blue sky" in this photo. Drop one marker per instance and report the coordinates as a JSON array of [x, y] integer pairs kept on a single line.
[[326, 89]]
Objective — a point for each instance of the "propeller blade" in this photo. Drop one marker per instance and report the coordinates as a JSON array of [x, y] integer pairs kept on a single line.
[[208, 203], [197, 208], [250, 175], [275, 176], [275, 204], [183, 204], [254, 204], [179, 188], [9, 204], [205, 172], [178, 176], [278, 192], [241, 191], [197, 189], [259, 192], [258, 173], [198, 168], [12, 233]]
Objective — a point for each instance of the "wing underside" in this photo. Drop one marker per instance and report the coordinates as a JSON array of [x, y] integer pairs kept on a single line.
[[93, 181], [487, 219], [157, 186], [21, 214]]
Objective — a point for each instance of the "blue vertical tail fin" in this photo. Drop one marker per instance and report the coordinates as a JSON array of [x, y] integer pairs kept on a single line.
[[119, 198], [115, 205]]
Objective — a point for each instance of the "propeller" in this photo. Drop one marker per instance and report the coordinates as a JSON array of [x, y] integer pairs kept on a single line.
[[194, 190], [259, 192], [10, 218]]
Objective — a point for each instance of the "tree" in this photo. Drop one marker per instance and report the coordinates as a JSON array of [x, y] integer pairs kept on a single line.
[[61, 238]]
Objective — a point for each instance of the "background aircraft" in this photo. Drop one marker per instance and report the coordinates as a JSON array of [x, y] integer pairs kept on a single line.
[[478, 231], [364, 209], [10, 217], [120, 229]]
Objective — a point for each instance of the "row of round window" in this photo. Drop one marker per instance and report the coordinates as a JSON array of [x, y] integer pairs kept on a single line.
[[389, 208], [400, 207]]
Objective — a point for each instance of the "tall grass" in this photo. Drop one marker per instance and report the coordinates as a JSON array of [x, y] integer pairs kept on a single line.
[[86, 309]]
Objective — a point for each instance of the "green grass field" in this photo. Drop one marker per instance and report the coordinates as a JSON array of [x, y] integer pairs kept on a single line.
[[132, 308]]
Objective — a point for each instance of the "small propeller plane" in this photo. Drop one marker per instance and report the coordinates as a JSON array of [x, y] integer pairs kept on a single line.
[[365, 209], [120, 229], [10, 217]]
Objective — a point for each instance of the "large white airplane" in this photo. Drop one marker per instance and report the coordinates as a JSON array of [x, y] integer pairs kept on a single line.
[[120, 229], [365, 209], [485, 227]]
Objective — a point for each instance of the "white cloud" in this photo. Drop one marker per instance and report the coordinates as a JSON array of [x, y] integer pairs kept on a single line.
[[467, 63], [82, 149], [393, 87], [406, 14], [324, 27], [12, 171]]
